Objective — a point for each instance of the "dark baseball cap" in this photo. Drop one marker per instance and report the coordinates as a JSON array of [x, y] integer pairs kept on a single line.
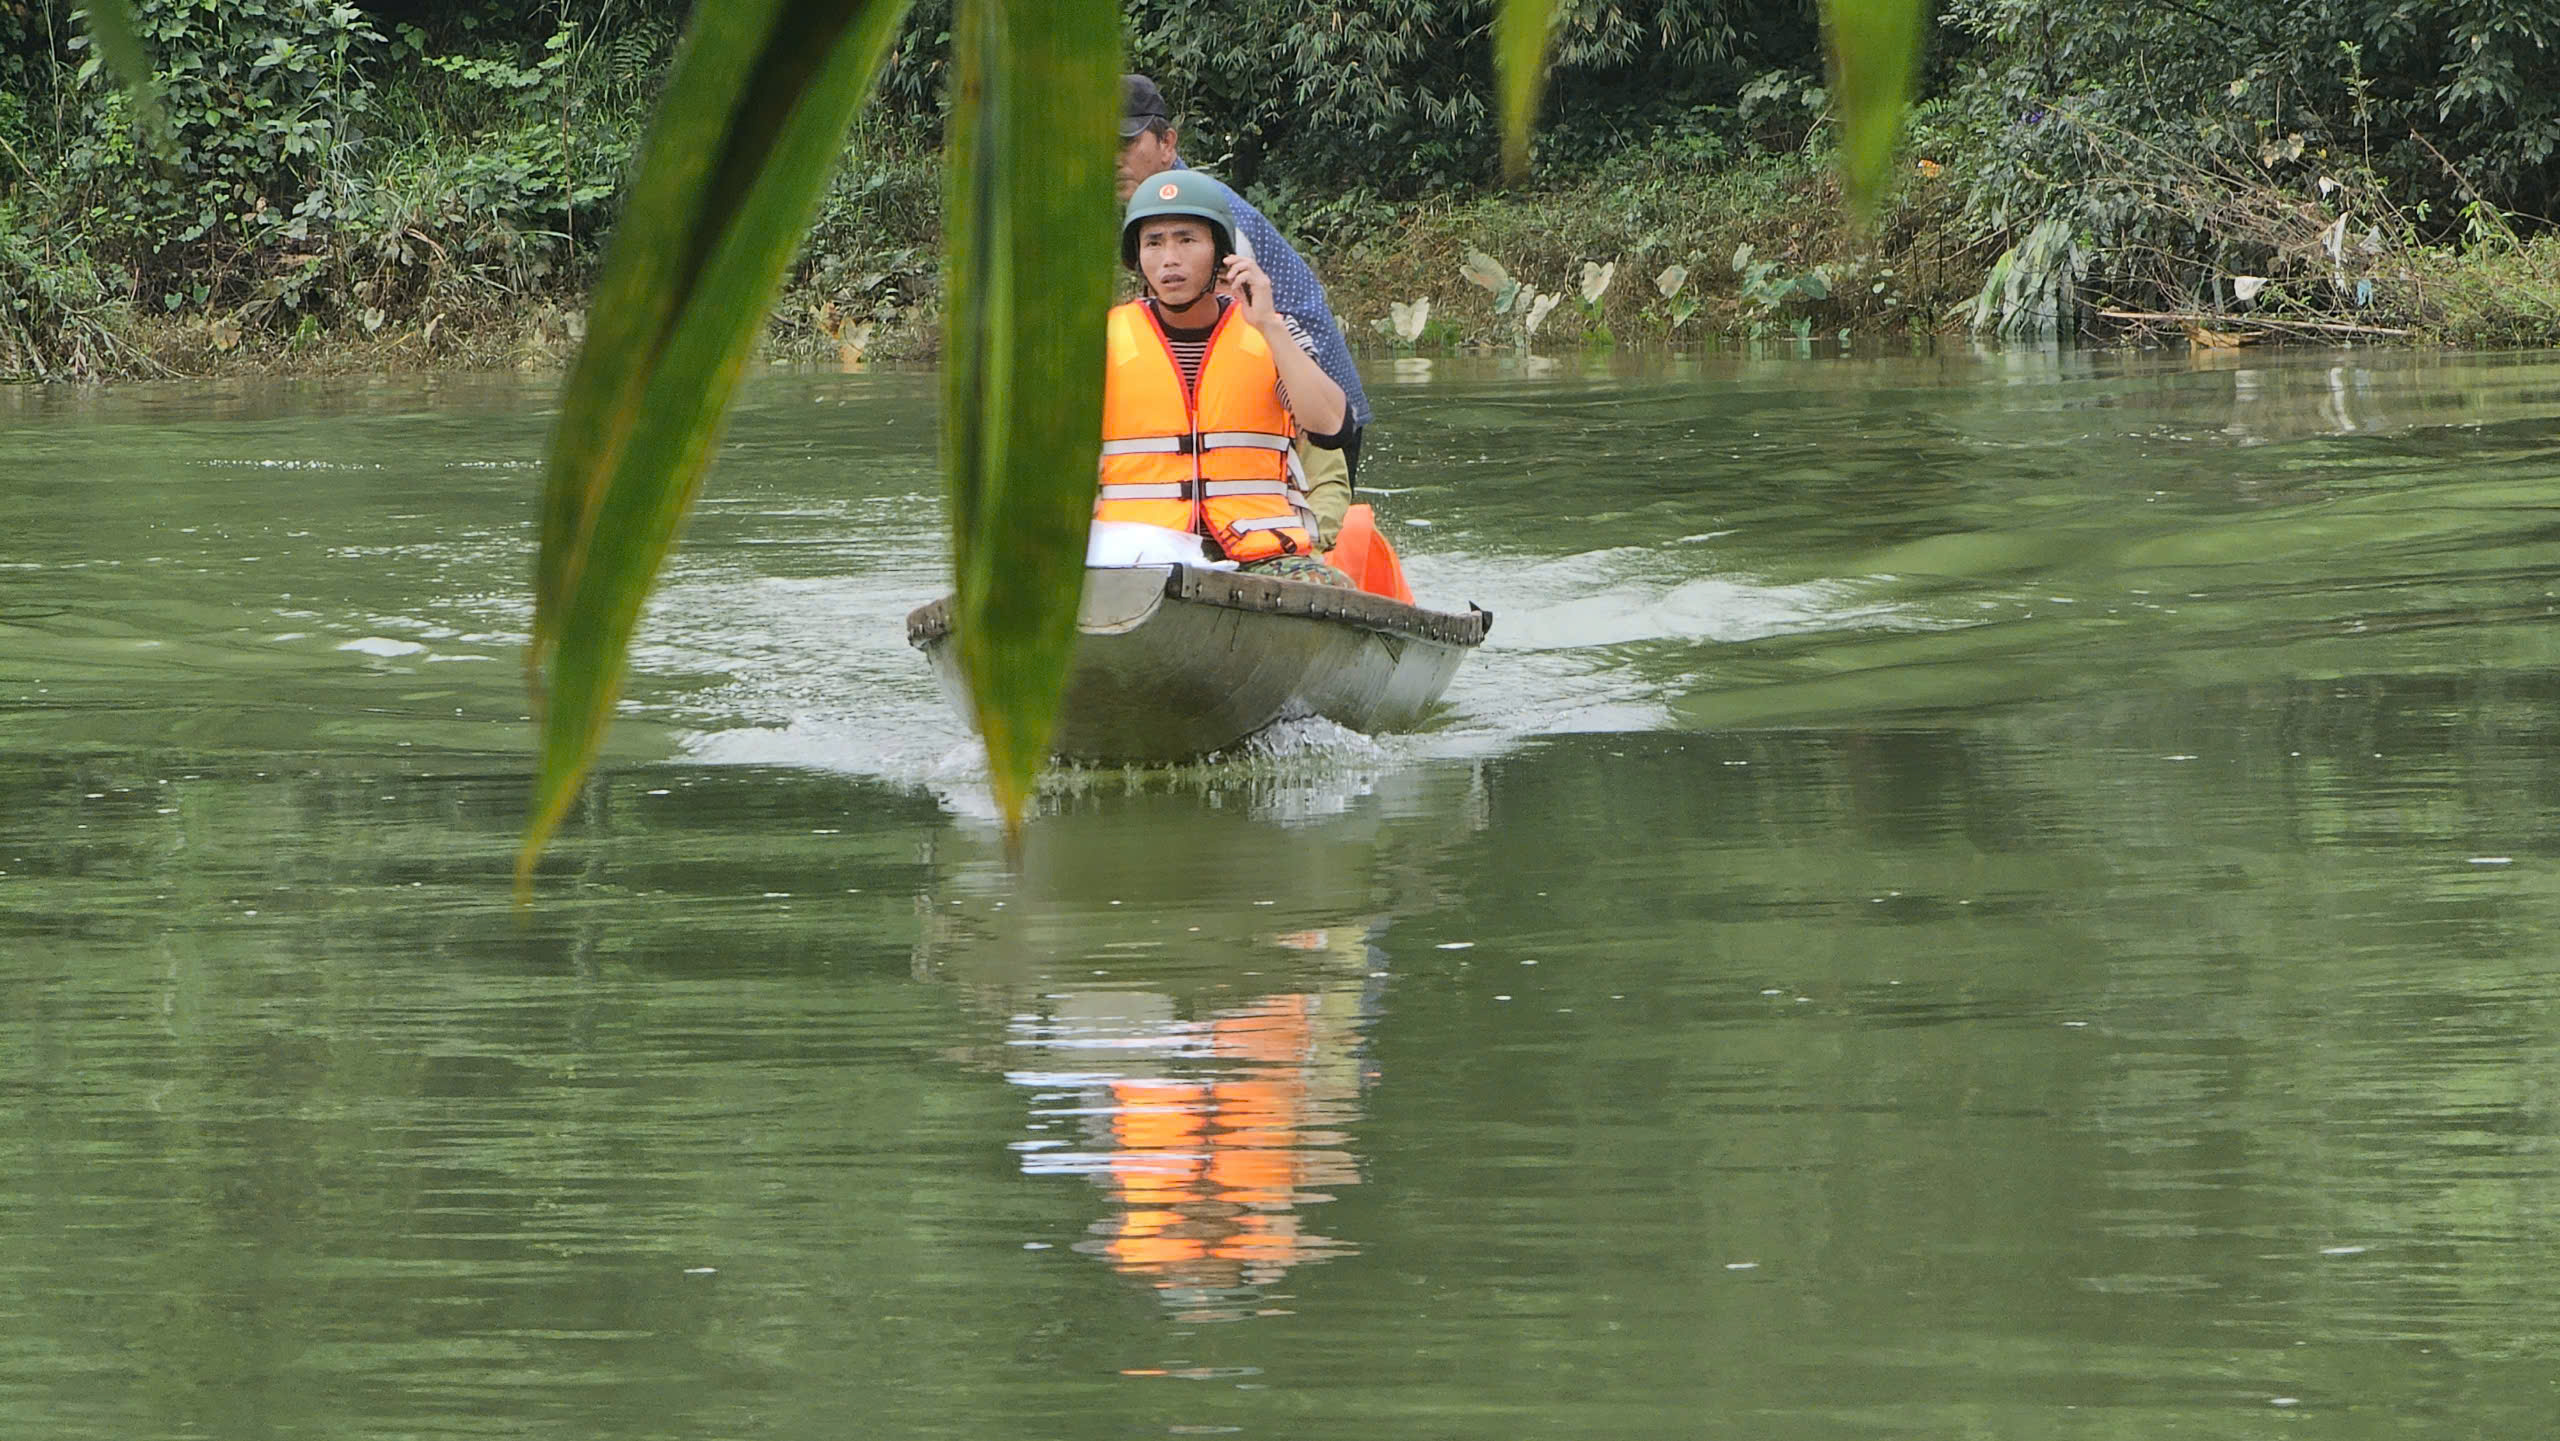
[[1141, 104]]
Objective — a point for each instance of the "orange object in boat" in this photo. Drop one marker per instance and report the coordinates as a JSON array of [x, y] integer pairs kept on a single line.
[[1363, 554]]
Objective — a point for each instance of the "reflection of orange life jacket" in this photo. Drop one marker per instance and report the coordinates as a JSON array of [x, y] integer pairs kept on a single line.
[[1212, 1171], [1220, 467]]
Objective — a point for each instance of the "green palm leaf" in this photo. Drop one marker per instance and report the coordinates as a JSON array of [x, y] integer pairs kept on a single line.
[[746, 136], [1521, 30], [751, 124], [1875, 54], [1029, 219]]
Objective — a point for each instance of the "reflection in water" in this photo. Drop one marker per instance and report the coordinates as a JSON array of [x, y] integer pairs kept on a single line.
[[2070, 960], [1211, 1137], [1188, 976]]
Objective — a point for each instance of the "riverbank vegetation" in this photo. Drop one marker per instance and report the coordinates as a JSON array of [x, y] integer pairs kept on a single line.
[[403, 184]]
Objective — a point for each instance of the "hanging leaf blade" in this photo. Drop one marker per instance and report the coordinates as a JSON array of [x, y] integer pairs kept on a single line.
[[1874, 47], [1030, 219], [1521, 32], [750, 125]]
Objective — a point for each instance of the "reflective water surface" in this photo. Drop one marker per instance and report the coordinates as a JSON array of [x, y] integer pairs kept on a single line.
[[1973, 895]]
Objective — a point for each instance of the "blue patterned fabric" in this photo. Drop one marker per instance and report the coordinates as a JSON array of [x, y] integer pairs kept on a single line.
[[1296, 291]]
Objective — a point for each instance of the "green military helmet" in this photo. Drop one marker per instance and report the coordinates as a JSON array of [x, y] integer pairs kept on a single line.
[[1177, 192]]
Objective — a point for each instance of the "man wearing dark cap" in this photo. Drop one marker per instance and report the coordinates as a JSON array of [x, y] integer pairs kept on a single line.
[[1148, 144]]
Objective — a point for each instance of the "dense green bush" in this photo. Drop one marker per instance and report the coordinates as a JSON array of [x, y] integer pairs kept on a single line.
[[1396, 96], [263, 98], [55, 305], [2103, 111], [325, 156], [871, 262]]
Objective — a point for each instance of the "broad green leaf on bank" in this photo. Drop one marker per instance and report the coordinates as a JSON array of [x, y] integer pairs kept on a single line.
[[750, 125], [1029, 221], [111, 29], [1521, 30], [1875, 55]]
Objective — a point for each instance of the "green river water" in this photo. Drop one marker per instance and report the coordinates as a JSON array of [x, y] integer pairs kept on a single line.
[[1977, 896]]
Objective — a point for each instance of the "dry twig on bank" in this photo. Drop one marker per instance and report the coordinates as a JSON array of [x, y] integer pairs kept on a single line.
[[2228, 322]]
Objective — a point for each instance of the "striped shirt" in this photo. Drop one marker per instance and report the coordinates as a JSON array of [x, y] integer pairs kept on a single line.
[[1191, 348]]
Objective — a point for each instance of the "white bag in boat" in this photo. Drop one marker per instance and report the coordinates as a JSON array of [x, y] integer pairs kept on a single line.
[[1124, 543]]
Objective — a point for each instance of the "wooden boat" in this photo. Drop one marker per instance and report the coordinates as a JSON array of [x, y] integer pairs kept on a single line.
[[1178, 661]]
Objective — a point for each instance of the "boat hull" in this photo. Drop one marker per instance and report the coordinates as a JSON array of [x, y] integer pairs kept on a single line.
[[1175, 662]]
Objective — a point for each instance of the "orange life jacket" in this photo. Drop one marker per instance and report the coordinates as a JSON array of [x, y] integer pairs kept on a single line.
[[1218, 463]]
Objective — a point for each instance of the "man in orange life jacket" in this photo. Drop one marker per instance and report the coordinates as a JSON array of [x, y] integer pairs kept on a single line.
[[1149, 143], [1208, 388]]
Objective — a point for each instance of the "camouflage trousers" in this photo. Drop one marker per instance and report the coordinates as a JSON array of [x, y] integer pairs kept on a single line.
[[1304, 568]]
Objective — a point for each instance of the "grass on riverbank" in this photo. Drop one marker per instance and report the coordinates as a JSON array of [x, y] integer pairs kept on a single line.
[[1677, 254], [1665, 244]]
